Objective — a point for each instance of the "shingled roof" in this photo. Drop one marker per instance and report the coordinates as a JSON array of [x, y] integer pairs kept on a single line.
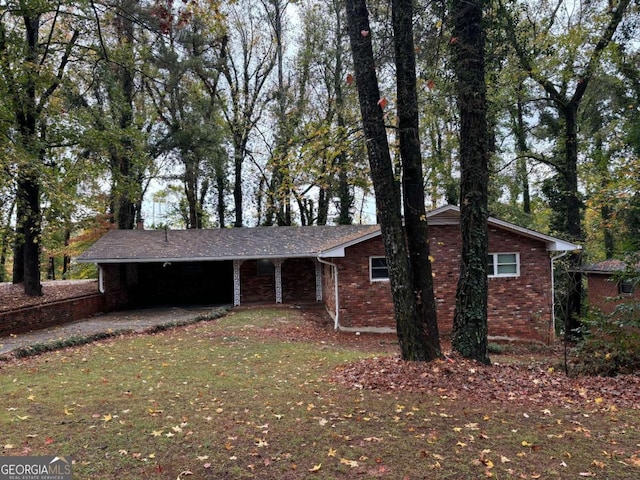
[[122, 246], [606, 266], [128, 246]]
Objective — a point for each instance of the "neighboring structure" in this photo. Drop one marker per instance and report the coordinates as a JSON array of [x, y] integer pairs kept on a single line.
[[342, 266], [605, 289]]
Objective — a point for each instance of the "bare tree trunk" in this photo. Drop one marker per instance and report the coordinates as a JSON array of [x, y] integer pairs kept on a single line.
[[28, 222], [410, 336], [469, 335], [425, 331]]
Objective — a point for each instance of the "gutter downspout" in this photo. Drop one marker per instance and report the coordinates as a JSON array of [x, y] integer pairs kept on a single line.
[[100, 279], [553, 291], [336, 316]]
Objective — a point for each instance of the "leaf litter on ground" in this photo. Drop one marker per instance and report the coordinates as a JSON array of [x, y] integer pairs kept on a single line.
[[457, 377]]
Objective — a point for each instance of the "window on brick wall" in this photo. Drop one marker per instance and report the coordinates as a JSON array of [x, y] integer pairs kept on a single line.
[[625, 287], [378, 269], [503, 265]]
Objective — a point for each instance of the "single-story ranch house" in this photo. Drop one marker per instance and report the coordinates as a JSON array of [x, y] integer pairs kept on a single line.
[[343, 267]]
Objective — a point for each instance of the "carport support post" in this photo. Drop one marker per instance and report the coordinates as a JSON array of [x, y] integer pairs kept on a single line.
[[278, 264], [318, 280], [236, 282]]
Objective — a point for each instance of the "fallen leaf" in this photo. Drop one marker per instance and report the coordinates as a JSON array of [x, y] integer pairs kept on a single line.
[[261, 442], [315, 468], [351, 463]]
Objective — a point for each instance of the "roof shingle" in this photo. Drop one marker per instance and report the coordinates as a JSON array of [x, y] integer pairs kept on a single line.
[[221, 244]]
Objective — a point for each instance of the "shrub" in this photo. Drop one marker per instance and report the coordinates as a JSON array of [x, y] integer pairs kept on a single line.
[[611, 344]]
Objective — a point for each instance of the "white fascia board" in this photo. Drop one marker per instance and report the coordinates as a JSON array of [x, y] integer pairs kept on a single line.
[[339, 250], [553, 244], [190, 259]]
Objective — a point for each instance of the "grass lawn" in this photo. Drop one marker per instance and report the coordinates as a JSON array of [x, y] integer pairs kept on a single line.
[[254, 395]]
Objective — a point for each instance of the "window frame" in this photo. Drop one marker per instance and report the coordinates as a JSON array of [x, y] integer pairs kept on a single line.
[[495, 265], [626, 287], [379, 268]]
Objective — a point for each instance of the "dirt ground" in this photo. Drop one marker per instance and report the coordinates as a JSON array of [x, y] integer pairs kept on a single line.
[[13, 297]]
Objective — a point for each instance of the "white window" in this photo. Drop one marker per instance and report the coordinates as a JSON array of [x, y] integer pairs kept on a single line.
[[378, 269], [503, 265]]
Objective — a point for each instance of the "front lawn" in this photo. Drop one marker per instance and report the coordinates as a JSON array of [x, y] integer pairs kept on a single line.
[[269, 394]]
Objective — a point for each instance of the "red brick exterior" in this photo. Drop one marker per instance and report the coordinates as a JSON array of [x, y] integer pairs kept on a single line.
[[51, 314], [603, 292], [518, 307], [298, 282]]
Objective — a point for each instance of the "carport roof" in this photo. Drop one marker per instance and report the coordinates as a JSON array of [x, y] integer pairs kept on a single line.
[[128, 246]]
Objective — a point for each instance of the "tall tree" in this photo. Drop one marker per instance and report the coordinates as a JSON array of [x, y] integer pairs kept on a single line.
[[327, 164], [425, 331], [249, 62], [469, 335], [564, 81], [34, 56], [188, 57], [411, 333]]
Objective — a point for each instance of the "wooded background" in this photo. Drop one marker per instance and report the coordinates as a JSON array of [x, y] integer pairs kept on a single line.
[[204, 114]]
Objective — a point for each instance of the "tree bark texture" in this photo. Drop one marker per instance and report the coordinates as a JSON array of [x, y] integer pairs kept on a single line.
[[411, 340], [125, 186], [415, 215], [469, 335], [28, 223]]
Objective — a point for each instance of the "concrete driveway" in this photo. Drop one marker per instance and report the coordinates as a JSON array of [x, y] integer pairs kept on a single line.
[[131, 320]]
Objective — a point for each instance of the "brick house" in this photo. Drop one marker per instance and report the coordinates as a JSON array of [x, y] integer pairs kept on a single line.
[[342, 266], [604, 289]]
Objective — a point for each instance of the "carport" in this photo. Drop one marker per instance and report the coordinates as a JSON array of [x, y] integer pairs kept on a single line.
[[229, 266], [180, 283]]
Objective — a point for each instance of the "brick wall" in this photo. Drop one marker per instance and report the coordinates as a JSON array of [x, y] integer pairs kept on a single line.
[[298, 282], [114, 279], [52, 314], [518, 307], [603, 292]]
